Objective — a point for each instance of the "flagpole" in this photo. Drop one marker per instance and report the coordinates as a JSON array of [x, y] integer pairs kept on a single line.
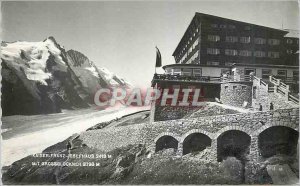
[[155, 64], [158, 59]]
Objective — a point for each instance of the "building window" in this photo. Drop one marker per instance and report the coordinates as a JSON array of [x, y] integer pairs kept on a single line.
[[229, 63], [281, 74], [186, 71], [273, 54], [266, 73], [231, 26], [213, 51], [223, 26], [289, 51], [188, 61], [247, 28], [296, 75], [231, 39], [213, 63], [225, 71], [274, 41], [192, 59], [168, 71], [195, 44], [289, 41], [214, 25], [197, 72], [181, 61], [176, 71], [231, 52], [245, 39], [260, 54], [213, 38], [245, 53], [260, 41], [189, 50], [244, 87]]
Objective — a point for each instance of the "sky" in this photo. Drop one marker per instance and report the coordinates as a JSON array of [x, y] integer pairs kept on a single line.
[[122, 36]]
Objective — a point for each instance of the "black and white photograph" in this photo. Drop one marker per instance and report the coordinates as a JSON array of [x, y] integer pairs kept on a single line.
[[150, 92]]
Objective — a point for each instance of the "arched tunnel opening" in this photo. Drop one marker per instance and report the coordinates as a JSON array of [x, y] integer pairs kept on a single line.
[[278, 140], [166, 142], [195, 142], [233, 143]]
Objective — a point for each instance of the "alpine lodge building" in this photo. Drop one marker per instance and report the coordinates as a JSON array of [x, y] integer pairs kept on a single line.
[[229, 61]]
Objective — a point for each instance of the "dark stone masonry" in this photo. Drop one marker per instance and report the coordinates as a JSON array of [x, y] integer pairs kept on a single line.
[[251, 124], [240, 135], [236, 93]]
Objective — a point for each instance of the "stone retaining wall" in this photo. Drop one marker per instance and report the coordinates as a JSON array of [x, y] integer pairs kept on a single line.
[[114, 137], [260, 95], [236, 93], [213, 126], [263, 97]]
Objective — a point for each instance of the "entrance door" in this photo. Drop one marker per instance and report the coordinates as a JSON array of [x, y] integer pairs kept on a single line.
[[249, 70], [281, 74]]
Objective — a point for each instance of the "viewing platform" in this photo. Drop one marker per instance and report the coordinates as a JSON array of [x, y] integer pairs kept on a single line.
[[201, 79]]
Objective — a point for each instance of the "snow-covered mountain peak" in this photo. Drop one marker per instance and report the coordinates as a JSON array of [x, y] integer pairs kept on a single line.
[[32, 57], [49, 78]]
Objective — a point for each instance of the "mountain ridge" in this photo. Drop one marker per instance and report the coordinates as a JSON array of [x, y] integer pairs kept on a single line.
[[42, 77]]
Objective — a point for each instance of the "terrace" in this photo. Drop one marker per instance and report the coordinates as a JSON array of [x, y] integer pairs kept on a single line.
[[201, 79]]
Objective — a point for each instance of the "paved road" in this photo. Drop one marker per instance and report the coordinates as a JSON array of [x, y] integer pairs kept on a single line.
[[282, 174]]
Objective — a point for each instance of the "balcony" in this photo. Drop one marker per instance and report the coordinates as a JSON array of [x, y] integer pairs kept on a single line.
[[204, 79]]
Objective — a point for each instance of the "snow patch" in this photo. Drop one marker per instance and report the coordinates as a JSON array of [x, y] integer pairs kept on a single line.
[[108, 76], [93, 71], [112, 78], [31, 57]]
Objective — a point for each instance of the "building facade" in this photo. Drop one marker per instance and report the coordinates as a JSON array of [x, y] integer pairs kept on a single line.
[[225, 59], [212, 41]]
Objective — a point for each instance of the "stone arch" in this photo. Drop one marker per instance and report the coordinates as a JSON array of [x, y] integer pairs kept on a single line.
[[165, 141], [277, 140], [227, 128], [174, 135], [293, 126], [233, 143], [195, 142], [210, 135]]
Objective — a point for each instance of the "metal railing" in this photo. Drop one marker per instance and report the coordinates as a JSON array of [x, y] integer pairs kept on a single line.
[[226, 78], [293, 99], [279, 84], [274, 80], [185, 78], [270, 89], [261, 82], [288, 80], [237, 78], [283, 89]]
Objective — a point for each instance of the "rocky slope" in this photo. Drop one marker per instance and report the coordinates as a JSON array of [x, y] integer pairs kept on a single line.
[[42, 77], [128, 165], [135, 164]]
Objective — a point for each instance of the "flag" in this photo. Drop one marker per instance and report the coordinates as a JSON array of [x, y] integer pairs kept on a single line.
[[158, 58]]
